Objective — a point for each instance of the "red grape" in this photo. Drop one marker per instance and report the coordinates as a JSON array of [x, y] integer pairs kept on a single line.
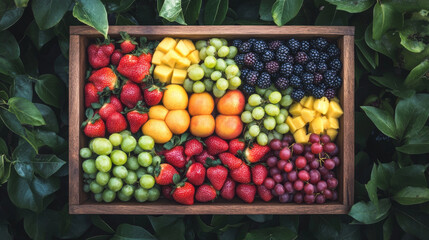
[[332, 183], [281, 164], [298, 185], [320, 199], [272, 161], [274, 193], [307, 148], [288, 167], [297, 148], [269, 183], [314, 176], [309, 188], [335, 152], [307, 168], [327, 193], [329, 147], [279, 189], [323, 171], [314, 138], [314, 164], [309, 199], [284, 198], [309, 156], [316, 148], [298, 198], [288, 138], [278, 178], [329, 175], [285, 144], [321, 186], [276, 144], [300, 162], [292, 176], [289, 187], [274, 171], [336, 161], [329, 164], [334, 195], [285, 153], [304, 175], [325, 139]]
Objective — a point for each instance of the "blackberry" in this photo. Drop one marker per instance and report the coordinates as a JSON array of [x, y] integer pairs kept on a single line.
[[259, 46], [309, 88], [244, 73], [295, 81], [307, 78], [247, 89], [281, 83], [305, 46], [322, 67], [329, 76], [297, 94], [252, 41], [245, 47], [274, 45], [318, 92], [258, 66], [271, 67], [323, 57], [239, 59], [334, 82], [275, 75], [264, 80], [311, 67], [333, 50], [290, 59], [322, 86], [294, 45], [298, 69], [301, 57], [313, 55], [335, 64], [249, 59], [321, 43], [282, 53], [317, 78], [267, 56], [329, 93], [286, 69], [252, 77], [236, 43]]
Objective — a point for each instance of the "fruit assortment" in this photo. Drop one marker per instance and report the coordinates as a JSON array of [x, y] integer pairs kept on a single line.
[[196, 121]]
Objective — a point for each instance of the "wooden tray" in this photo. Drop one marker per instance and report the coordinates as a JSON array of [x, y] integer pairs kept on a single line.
[[79, 201]]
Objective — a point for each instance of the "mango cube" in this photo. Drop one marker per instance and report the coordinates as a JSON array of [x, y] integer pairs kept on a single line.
[[308, 115], [182, 48], [194, 56], [298, 122], [178, 76], [300, 136], [303, 100], [163, 73], [183, 63], [156, 58], [332, 133], [289, 121], [317, 125], [309, 102], [333, 123], [166, 44], [325, 122], [295, 109], [189, 44], [334, 110], [170, 58], [321, 105]]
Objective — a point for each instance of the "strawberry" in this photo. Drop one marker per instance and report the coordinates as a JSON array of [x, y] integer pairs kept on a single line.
[[236, 145], [95, 128], [175, 156], [259, 173], [246, 192], [264, 193], [116, 57], [103, 78], [196, 174], [216, 145], [205, 193], [116, 123], [147, 57], [91, 95], [184, 194], [107, 110], [201, 158], [152, 95], [193, 147], [228, 189], [118, 105], [128, 44], [241, 174], [99, 54], [166, 191], [231, 161], [136, 120], [256, 153], [164, 174], [217, 176], [134, 68], [130, 94]]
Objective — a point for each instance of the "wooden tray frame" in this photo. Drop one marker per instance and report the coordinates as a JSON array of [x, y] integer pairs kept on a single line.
[[79, 203]]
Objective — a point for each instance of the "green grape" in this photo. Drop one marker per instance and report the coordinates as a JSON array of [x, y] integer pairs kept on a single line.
[[86, 188], [188, 84], [125, 134], [222, 84], [196, 73], [220, 64], [223, 51], [284, 112], [232, 52], [230, 87], [269, 123], [193, 66], [230, 62], [115, 139], [267, 93], [232, 70], [275, 97], [127, 190], [200, 44], [140, 172], [288, 91], [144, 159], [156, 160], [254, 130], [272, 110], [141, 194], [247, 136], [108, 195], [207, 71], [235, 82], [216, 75], [260, 91], [254, 100], [198, 87], [123, 197], [218, 93], [282, 128], [131, 177], [85, 152], [120, 171], [286, 101], [277, 135], [216, 42], [95, 187], [272, 88], [115, 184], [89, 166], [208, 84], [258, 113], [280, 118], [98, 197], [224, 41], [270, 136], [210, 51], [246, 117], [92, 175], [210, 62], [153, 194], [128, 144], [138, 149], [247, 107], [262, 139], [203, 53], [102, 178]]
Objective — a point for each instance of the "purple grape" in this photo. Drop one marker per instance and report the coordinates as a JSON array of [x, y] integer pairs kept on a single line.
[[314, 176], [298, 185], [284, 198], [274, 171], [272, 161], [309, 199], [332, 183], [279, 189], [314, 164], [298, 198], [289, 187], [309, 188], [292, 176], [320, 199], [278, 178], [321, 186], [269, 183]]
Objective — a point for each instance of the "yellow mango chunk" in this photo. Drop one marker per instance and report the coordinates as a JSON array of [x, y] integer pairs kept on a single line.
[[332, 133], [183, 63], [318, 114], [289, 121], [317, 125], [189, 44], [334, 110], [166, 44], [300, 136], [321, 105], [179, 76], [298, 122], [325, 122], [309, 102], [170, 58], [194, 56], [308, 115], [303, 100], [163, 73], [156, 58], [182, 48], [158, 112], [295, 109], [333, 123]]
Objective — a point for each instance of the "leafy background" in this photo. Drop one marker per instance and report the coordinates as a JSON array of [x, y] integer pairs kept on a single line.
[[392, 108]]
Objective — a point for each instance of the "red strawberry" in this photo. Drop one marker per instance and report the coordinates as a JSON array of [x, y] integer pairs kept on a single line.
[[264, 193], [236, 145], [136, 120], [256, 153], [193, 147], [134, 68], [175, 157], [95, 128], [216, 145], [128, 44], [246, 192], [164, 174], [118, 105], [184, 194], [166, 191], [196, 174], [116, 57], [205, 193], [103, 78], [259, 173], [152, 95], [231, 161], [91, 95], [241, 174], [147, 57], [107, 110], [116, 123], [99, 54], [201, 158], [228, 189], [131, 94], [217, 176]]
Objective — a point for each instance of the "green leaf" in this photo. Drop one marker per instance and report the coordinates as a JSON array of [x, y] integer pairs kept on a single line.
[[39, 37], [369, 55], [4, 232], [371, 186], [101, 224], [415, 77], [51, 90], [47, 165], [22, 193], [130, 232], [43, 225], [388, 44], [11, 122], [191, 10], [367, 212], [388, 228], [21, 3], [289, 221], [48, 13], [418, 143], [412, 195], [22, 157], [330, 16], [215, 11], [118, 6], [385, 17], [411, 115], [23, 87], [171, 10], [382, 120], [174, 231], [11, 67], [3, 147], [161, 222], [413, 222], [413, 34], [352, 6], [5, 169], [49, 117], [409, 5], [92, 13], [284, 10], [384, 174], [325, 226], [265, 10], [413, 176], [260, 218], [9, 48], [25, 111], [50, 139], [9, 14], [271, 233]]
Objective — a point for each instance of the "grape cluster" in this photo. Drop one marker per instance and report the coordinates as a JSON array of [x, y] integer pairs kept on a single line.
[[218, 72], [303, 173]]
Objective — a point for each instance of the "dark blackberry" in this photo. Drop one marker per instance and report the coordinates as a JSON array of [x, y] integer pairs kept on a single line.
[[290, 59], [282, 53], [329, 76], [274, 45], [286, 69], [239, 59], [322, 86], [333, 50], [295, 81], [318, 92], [294, 45], [249, 59], [271, 67], [267, 56], [236, 43], [317, 78], [309, 88], [305, 46], [335, 64], [321, 43], [252, 77], [258, 66], [330, 93], [245, 47], [298, 69], [252, 41], [244, 72], [275, 75], [323, 57], [311, 67], [281, 83], [301, 57], [247, 89], [264, 80], [334, 82], [259, 46], [297, 94], [313, 55], [307, 78], [322, 67]]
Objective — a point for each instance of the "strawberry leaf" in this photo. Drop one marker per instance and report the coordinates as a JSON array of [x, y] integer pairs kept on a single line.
[[95, 105], [176, 178], [89, 113]]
